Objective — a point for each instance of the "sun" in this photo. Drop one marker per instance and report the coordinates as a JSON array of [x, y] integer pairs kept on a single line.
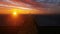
[[14, 13]]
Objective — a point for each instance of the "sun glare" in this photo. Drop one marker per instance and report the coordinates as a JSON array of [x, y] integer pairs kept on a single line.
[[14, 13]]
